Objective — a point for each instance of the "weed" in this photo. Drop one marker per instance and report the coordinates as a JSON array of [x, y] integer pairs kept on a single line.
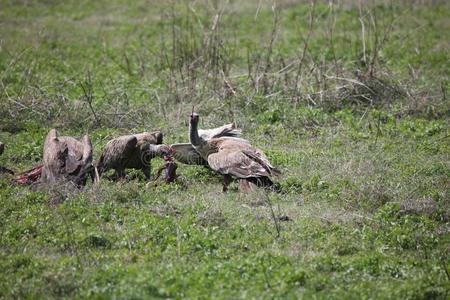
[[349, 99]]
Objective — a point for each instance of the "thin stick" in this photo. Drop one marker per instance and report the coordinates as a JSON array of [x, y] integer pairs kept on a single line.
[[258, 9], [306, 41], [363, 34], [445, 268], [277, 226], [178, 238]]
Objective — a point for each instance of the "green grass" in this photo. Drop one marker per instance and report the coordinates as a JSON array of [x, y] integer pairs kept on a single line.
[[365, 204]]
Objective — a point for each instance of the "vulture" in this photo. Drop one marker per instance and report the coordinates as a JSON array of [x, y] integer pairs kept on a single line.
[[133, 151], [67, 159], [233, 157], [4, 170], [187, 154]]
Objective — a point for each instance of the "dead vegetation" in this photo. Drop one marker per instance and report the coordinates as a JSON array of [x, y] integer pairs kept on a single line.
[[199, 61], [317, 85]]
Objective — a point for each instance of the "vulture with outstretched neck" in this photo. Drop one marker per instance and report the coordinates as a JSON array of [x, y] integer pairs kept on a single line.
[[233, 158], [67, 159], [133, 151], [188, 154]]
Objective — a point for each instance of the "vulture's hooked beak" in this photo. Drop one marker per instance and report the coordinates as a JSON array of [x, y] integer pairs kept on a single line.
[[194, 116], [168, 156]]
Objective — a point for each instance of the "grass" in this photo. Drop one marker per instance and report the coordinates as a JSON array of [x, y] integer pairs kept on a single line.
[[364, 210]]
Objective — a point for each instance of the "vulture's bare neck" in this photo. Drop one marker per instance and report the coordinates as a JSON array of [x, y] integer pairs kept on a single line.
[[194, 138], [156, 150]]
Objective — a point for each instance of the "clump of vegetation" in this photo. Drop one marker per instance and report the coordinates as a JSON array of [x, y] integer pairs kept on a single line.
[[349, 99]]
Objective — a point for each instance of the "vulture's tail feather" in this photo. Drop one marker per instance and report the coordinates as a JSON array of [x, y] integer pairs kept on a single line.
[[249, 184]]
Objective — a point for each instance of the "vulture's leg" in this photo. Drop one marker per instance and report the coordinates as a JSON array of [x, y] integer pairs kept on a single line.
[[147, 172], [227, 179], [119, 174], [80, 181]]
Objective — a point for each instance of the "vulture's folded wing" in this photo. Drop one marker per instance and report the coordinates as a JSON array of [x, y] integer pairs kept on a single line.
[[86, 162], [73, 166], [236, 163], [119, 149], [55, 156], [87, 150], [186, 154], [74, 154]]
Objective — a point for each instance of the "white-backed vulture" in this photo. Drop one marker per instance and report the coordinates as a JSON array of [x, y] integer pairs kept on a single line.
[[187, 154], [132, 152], [67, 159], [233, 158]]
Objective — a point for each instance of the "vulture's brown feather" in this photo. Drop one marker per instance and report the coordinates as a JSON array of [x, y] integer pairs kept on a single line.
[[239, 160], [132, 152], [185, 153], [66, 158], [233, 157]]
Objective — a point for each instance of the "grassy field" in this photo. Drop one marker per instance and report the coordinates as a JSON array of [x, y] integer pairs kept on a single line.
[[349, 100]]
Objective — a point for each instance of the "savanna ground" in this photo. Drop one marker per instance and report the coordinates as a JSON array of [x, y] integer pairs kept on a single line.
[[348, 99]]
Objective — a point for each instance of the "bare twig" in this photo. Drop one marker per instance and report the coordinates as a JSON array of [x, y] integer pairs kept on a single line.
[[363, 32], [87, 87], [273, 35], [306, 42], [274, 218]]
